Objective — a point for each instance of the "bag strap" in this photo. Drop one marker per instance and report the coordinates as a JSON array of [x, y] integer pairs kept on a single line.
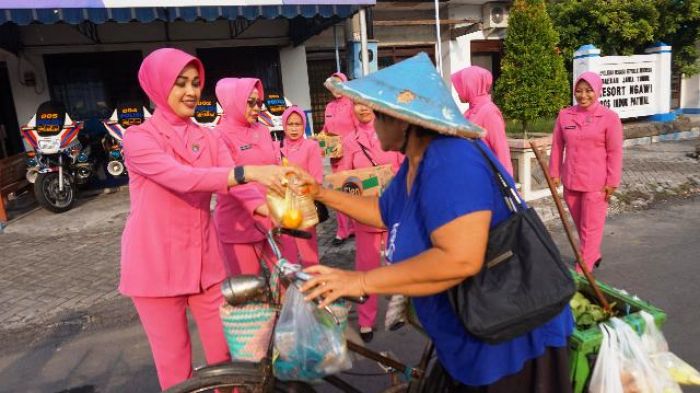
[[511, 197], [366, 151]]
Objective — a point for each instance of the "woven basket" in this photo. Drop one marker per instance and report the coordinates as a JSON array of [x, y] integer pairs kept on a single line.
[[248, 329]]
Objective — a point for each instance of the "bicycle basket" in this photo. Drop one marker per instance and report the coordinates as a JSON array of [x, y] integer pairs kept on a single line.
[[248, 329]]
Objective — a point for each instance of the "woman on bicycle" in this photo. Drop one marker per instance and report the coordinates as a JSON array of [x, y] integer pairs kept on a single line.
[[249, 142], [438, 210], [170, 257]]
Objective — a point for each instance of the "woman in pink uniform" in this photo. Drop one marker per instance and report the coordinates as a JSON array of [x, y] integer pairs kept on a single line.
[[362, 149], [338, 120], [241, 221], [306, 154], [170, 258], [587, 158], [473, 85]]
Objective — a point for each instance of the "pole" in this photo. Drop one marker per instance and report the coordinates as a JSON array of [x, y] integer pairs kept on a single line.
[[337, 51], [363, 42], [569, 233], [438, 41]]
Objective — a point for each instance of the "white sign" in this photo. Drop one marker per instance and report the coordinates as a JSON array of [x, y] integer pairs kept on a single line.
[[633, 86]]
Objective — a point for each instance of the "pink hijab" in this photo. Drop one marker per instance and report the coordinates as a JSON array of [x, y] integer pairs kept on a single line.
[[157, 75], [233, 94], [288, 143], [473, 85], [596, 83]]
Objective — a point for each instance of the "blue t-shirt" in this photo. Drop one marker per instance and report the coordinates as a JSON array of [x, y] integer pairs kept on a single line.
[[454, 180]]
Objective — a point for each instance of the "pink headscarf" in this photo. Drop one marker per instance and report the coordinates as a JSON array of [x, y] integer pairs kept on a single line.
[[233, 94], [594, 80], [473, 84], [285, 116], [157, 75], [340, 76]]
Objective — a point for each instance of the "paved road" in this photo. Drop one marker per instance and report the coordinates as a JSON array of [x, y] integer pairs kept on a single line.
[[653, 253]]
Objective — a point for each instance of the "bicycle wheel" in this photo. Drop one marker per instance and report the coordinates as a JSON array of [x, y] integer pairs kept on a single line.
[[246, 377]]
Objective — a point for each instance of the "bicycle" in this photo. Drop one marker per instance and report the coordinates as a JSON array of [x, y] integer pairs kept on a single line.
[[254, 377]]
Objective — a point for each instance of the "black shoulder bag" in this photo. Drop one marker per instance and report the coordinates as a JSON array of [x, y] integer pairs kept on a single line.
[[523, 283]]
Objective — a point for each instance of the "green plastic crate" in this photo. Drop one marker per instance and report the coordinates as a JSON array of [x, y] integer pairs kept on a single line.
[[584, 344]]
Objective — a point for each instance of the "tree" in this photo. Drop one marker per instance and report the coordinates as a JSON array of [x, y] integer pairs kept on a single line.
[[625, 27], [533, 82]]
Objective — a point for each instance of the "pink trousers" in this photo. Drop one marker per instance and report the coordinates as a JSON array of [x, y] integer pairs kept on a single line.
[[304, 251], [345, 226], [165, 321], [588, 210], [244, 258], [368, 257]]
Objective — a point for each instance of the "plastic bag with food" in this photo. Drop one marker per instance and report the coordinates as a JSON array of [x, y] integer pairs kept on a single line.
[[309, 345], [606, 373], [656, 346]]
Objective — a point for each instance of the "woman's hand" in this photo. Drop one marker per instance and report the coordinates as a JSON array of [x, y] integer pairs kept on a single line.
[[556, 181], [331, 284], [273, 177], [263, 210], [609, 191]]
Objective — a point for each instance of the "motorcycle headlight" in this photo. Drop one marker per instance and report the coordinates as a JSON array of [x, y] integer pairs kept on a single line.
[[82, 157], [115, 154], [49, 144]]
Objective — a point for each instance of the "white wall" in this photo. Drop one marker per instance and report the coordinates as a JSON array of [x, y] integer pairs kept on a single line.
[[26, 98], [295, 76], [690, 90]]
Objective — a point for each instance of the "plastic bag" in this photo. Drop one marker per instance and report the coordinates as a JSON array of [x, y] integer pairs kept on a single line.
[[637, 372], [606, 373], [656, 346], [309, 345]]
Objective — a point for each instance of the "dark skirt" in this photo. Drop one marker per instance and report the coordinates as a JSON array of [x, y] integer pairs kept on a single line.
[[548, 373]]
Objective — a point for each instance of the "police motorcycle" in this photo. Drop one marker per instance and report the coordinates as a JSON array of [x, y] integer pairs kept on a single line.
[[123, 117], [58, 162], [270, 115], [207, 113]]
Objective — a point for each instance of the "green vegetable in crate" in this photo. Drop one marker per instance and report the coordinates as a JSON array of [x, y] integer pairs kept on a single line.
[[586, 313]]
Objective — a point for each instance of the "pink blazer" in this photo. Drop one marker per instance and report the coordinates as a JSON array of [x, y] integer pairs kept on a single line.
[[355, 158], [488, 116], [587, 148], [169, 246], [234, 216], [306, 154]]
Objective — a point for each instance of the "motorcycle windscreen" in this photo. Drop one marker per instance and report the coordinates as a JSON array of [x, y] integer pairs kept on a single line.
[[205, 111], [50, 118], [130, 114], [275, 104]]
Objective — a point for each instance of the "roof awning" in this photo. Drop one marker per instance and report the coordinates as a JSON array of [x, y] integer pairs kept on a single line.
[[250, 11]]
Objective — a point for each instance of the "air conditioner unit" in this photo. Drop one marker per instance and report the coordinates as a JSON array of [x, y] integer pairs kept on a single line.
[[495, 14]]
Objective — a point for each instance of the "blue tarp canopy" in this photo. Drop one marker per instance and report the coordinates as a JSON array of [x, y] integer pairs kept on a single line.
[[172, 14]]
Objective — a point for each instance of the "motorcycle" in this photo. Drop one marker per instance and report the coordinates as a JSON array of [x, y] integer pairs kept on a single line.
[[58, 163], [207, 113], [123, 117], [271, 114]]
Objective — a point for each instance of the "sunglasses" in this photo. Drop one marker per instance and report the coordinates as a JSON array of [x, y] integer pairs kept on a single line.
[[252, 102]]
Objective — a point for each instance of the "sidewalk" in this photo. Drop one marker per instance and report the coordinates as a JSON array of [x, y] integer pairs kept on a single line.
[[59, 273]]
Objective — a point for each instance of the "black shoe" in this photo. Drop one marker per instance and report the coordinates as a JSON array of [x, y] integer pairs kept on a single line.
[[350, 236], [598, 262], [396, 326], [367, 336], [337, 241]]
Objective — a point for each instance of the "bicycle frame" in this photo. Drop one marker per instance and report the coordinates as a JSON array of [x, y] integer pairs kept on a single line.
[[258, 376]]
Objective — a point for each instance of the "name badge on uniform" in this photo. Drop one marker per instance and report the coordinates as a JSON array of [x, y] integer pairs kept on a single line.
[[569, 127], [245, 147]]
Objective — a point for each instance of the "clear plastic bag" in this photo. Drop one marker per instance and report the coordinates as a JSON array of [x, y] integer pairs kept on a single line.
[[606, 373], [637, 372], [309, 345], [656, 346]]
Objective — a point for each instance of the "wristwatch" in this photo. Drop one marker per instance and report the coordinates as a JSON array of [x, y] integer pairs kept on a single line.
[[239, 174]]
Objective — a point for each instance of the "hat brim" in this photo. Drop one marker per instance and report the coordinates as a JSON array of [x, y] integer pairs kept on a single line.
[[469, 132]]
